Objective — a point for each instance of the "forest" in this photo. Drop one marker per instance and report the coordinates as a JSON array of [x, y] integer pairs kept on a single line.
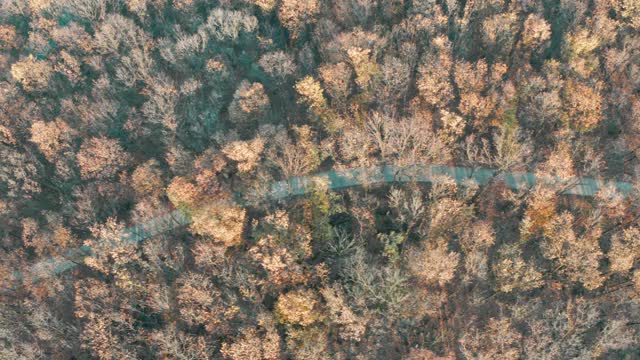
[[115, 113]]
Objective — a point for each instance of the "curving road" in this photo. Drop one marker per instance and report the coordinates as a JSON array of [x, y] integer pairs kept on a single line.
[[339, 179]]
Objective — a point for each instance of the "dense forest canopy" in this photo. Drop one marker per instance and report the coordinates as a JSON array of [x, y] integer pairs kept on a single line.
[[115, 112]]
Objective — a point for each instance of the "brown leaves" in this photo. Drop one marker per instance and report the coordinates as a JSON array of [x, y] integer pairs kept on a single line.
[[8, 37], [147, 179], [541, 209], [498, 340], [337, 82], [512, 272], [279, 262], [50, 137], [583, 105], [245, 153], [182, 192], [294, 14], [219, 221], [536, 31], [312, 94], [352, 326], [32, 74], [433, 82], [433, 265], [578, 254], [260, 344], [250, 101], [201, 303], [299, 307], [101, 158], [625, 250]]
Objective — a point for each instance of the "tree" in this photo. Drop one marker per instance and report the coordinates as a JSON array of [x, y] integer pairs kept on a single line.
[[106, 320], [114, 253], [51, 137], [448, 216], [424, 354], [395, 78], [625, 250], [352, 326], [250, 103], [299, 307], [183, 193], [536, 32], [32, 74], [8, 37], [101, 158], [308, 343], [118, 34], [312, 94], [19, 173], [630, 11], [433, 83], [337, 82], [404, 141], [147, 179], [73, 38], [433, 265], [223, 24], [451, 128], [263, 344], [281, 264], [365, 67], [279, 65], [294, 15], [472, 80], [297, 155], [559, 165], [178, 344], [498, 33], [583, 105], [499, 339], [352, 13], [476, 243], [245, 153], [202, 303], [579, 256], [220, 222], [511, 149], [512, 272]]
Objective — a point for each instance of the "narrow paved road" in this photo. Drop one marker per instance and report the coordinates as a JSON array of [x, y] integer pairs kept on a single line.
[[339, 179]]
